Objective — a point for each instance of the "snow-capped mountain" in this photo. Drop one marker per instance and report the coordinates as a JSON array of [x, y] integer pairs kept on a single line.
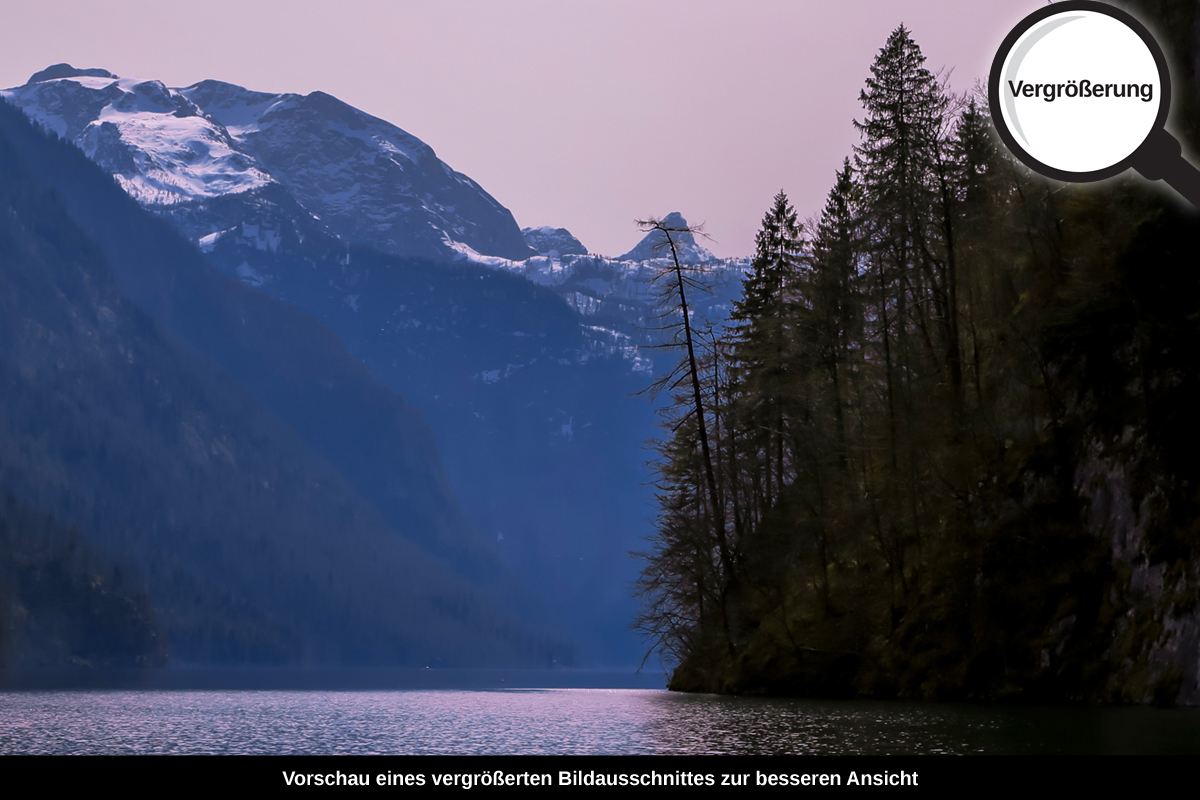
[[214, 155], [263, 180], [273, 170], [368, 180], [159, 146], [525, 357], [621, 291]]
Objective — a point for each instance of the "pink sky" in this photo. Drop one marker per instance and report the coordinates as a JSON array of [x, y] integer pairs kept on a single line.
[[584, 115]]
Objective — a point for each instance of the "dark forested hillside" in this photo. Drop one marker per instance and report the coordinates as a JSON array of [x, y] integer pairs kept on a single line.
[[273, 503], [953, 427], [292, 363], [62, 605]]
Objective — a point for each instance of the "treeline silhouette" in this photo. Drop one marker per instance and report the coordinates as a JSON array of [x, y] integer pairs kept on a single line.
[[944, 445]]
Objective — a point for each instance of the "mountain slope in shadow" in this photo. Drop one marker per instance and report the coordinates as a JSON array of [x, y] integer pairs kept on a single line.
[[278, 504]]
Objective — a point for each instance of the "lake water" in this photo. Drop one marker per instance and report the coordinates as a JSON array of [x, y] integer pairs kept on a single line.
[[560, 721]]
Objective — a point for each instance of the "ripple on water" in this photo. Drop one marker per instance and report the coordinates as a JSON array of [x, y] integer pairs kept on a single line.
[[560, 722]]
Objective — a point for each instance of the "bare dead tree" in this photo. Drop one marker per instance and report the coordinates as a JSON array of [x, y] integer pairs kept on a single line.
[[673, 282]]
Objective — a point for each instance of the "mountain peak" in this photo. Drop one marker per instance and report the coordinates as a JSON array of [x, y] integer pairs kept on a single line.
[[651, 245], [65, 70], [554, 242], [675, 221]]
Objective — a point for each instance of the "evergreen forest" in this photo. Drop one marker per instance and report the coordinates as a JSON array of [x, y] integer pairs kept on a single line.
[[943, 446]]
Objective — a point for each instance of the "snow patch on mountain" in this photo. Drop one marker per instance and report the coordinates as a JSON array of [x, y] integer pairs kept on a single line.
[[368, 180], [359, 178], [159, 146], [247, 173]]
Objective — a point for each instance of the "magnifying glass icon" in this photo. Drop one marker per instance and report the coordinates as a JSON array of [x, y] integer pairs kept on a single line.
[[1079, 91]]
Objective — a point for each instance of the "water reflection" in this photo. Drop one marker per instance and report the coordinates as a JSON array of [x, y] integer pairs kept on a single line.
[[561, 721]]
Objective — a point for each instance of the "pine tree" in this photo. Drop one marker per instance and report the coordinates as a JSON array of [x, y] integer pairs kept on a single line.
[[904, 106], [980, 189], [834, 322], [764, 349], [897, 163], [907, 222]]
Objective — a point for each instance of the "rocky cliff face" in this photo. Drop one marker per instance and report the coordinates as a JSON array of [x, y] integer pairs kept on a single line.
[[1155, 647], [553, 242]]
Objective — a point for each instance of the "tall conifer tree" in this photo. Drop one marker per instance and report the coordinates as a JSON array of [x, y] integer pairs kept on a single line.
[[895, 160], [834, 322], [764, 350]]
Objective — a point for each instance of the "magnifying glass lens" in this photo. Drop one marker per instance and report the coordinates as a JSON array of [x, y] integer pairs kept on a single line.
[[1080, 91]]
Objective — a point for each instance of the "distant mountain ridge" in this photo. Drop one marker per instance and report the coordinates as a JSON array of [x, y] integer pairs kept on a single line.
[[347, 174], [527, 367]]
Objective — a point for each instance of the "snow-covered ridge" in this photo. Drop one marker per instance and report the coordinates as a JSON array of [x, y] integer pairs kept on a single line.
[[366, 180], [587, 279], [160, 146], [616, 298], [621, 294], [250, 176]]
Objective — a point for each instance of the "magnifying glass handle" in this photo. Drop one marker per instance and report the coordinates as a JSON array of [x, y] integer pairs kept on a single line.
[[1160, 158]]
